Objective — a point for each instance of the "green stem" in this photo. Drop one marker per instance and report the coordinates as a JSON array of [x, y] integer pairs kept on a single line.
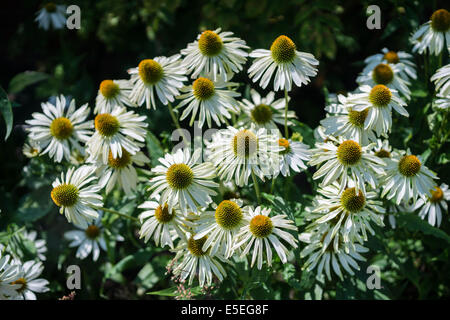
[[286, 132], [255, 184], [177, 124], [272, 186], [117, 212]]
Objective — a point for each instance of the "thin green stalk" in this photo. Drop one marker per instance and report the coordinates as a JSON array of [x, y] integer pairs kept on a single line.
[[177, 124], [255, 184], [117, 212], [272, 186], [286, 97]]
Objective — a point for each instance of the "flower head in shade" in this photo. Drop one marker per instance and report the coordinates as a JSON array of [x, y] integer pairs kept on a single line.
[[435, 205], [28, 283], [345, 161], [265, 112], [286, 62], [58, 129], [209, 99], [160, 76], [116, 131], [407, 178], [162, 224], [31, 149], [433, 34], [261, 233], [76, 194], [112, 93], [9, 273], [386, 75], [294, 156], [404, 60], [196, 262], [216, 53], [331, 257], [348, 123], [51, 15], [379, 102], [120, 171], [239, 152], [181, 181], [89, 240], [441, 80]]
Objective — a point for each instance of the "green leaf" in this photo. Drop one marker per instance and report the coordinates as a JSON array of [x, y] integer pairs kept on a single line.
[[25, 79], [306, 132], [169, 292], [413, 223], [154, 148], [5, 109], [34, 205]]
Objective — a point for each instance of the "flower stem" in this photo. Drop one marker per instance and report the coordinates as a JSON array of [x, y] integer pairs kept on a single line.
[[255, 184], [177, 124], [116, 212], [286, 132]]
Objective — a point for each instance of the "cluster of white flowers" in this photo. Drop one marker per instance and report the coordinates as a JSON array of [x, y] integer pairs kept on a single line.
[[363, 178], [352, 156]]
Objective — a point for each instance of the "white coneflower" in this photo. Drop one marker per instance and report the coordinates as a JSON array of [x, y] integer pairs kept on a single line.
[[51, 15], [337, 160], [433, 34], [116, 131], [348, 123], [441, 80], [265, 112], [261, 233], [435, 205], [221, 226], [210, 99], [159, 76], [239, 152], [28, 280], [31, 149], [120, 171], [287, 63], [39, 244], [215, 53], [163, 225], [89, 240], [400, 58], [352, 212], [407, 178], [112, 93], [379, 101], [8, 274], [331, 257], [293, 156], [196, 262], [58, 130], [75, 194], [442, 102], [181, 180], [387, 75]]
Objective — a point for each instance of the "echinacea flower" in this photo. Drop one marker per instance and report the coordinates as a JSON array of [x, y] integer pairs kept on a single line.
[[112, 93], [196, 262], [31, 148], [28, 282], [441, 80], [75, 194], [434, 206], [116, 131], [261, 233], [294, 156], [181, 180], [285, 61], [407, 178], [8, 274], [57, 130], [51, 15], [403, 59], [239, 152], [160, 76], [209, 99], [265, 112], [216, 53], [433, 34]]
